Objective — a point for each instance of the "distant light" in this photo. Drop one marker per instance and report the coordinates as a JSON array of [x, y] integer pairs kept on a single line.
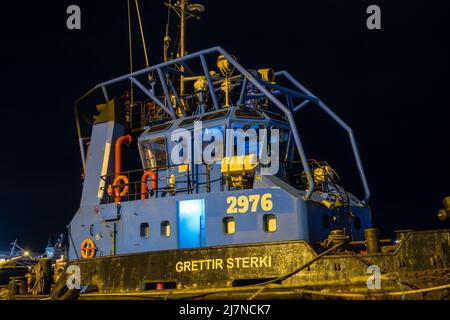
[[26, 253]]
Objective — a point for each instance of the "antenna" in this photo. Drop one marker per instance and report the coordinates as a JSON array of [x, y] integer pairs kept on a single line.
[[167, 38], [184, 10]]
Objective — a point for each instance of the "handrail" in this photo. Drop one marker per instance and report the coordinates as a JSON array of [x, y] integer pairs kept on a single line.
[[135, 181]]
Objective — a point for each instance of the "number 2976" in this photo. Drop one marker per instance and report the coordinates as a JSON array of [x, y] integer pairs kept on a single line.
[[252, 203]]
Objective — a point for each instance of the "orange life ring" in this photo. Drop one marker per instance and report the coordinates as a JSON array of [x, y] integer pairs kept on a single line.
[[115, 188], [88, 249], [144, 188]]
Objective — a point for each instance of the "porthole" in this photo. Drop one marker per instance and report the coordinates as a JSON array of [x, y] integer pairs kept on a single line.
[[229, 225], [145, 230], [270, 223]]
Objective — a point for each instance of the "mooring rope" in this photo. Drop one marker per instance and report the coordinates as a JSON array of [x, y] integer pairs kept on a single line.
[[290, 274], [38, 284]]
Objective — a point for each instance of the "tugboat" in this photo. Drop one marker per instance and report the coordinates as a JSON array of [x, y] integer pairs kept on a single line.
[[225, 202]]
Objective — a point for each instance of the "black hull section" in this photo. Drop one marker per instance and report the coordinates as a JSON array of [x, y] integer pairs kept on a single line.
[[418, 267]]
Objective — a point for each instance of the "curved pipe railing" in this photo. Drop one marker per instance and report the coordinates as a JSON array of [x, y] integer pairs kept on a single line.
[[262, 86], [336, 118]]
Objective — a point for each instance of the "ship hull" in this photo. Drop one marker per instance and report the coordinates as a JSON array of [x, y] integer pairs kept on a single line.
[[417, 268]]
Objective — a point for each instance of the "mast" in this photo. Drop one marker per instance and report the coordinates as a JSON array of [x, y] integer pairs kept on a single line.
[[183, 4], [185, 10]]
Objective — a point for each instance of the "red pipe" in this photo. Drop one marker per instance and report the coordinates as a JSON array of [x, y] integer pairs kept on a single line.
[[118, 153], [144, 188]]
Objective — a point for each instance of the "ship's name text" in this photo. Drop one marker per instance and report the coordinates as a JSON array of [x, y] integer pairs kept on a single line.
[[220, 264]]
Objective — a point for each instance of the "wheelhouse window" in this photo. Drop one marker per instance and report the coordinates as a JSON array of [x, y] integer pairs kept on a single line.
[[154, 152], [215, 115], [187, 122], [242, 134], [276, 117], [159, 127], [248, 114], [213, 142]]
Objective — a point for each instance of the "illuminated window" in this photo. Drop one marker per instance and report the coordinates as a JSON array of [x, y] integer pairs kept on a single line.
[[145, 230], [229, 225], [270, 223], [247, 142], [214, 134], [165, 229]]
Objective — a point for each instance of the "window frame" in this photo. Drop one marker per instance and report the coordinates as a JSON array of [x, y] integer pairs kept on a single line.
[[146, 149]]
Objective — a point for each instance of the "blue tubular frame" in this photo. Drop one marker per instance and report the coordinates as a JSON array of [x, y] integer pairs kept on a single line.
[[165, 89], [177, 97], [341, 122], [241, 96], [266, 90], [301, 106], [210, 83], [151, 96], [285, 110]]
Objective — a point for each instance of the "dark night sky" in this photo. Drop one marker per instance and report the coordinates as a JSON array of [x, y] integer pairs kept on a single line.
[[390, 85]]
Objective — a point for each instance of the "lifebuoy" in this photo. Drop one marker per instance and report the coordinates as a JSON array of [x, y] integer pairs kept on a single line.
[[88, 249], [144, 189], [115, 188]]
